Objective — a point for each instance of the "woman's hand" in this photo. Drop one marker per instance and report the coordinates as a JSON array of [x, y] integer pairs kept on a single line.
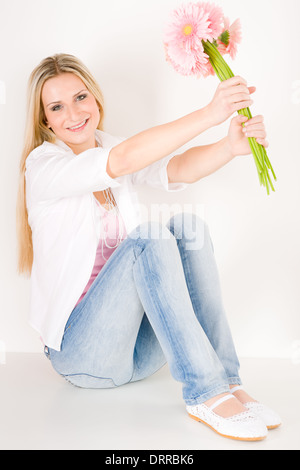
[[231, 96], [238, 135]]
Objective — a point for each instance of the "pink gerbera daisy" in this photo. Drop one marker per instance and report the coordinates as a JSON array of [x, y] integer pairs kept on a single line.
[[230, 38], [191, 24], [183, 39], [215, 17], [187, 64], [188, 26]]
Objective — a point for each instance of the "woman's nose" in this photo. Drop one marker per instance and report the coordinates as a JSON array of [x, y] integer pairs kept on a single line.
[[74, 114]]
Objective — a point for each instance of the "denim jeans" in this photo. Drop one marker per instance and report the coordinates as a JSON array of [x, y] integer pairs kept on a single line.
[[156, 300]]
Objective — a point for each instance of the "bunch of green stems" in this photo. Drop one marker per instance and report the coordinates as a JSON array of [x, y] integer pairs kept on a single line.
[[261, 159]]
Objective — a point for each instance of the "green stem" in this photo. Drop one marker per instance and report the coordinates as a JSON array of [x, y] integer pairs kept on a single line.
[[224, 72]]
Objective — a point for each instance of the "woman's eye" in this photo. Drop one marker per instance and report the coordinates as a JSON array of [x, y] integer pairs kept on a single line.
[[81, 97], [55, 108]]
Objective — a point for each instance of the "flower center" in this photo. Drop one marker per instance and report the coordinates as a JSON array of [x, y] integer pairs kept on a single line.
[[188, 29]]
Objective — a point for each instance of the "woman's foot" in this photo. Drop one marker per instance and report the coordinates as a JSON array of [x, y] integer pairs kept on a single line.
[[242, 395], [271, 419], [229, 418], [228, 408]]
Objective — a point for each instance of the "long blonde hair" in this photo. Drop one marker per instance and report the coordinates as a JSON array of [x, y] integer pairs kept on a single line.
[[36, 132]]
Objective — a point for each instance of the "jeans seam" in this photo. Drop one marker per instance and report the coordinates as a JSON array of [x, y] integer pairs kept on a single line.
[[82, 374]]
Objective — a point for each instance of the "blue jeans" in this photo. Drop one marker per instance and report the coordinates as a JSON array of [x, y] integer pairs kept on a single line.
[[157, 300]]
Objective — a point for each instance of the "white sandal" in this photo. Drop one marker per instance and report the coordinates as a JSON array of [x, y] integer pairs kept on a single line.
[[244, 426], [268, 416]]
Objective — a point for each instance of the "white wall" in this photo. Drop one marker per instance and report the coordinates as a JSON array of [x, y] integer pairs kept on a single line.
[[256, 237]]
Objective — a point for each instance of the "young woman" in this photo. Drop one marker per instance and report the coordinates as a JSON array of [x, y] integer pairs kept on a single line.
[[114, 298]]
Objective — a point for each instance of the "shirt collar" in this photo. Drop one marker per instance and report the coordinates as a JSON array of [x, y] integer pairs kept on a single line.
[[64, 146]]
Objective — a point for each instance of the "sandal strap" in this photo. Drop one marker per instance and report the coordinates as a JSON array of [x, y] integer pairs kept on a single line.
[[220, 401], [235, 389]]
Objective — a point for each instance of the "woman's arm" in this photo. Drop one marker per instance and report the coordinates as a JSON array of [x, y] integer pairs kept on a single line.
[[199, 162], [152, 145]]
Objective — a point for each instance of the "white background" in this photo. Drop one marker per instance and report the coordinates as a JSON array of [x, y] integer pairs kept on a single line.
[[256, 237]]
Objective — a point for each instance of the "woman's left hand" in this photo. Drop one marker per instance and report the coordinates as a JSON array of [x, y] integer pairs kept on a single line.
[[238, 135]]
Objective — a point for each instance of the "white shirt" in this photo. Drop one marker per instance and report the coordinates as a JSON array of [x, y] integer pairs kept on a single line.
[[62, 214]]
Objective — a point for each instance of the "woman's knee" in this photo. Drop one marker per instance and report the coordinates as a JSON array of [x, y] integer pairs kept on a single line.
[[190, 228], [152, 235], [151, 230]]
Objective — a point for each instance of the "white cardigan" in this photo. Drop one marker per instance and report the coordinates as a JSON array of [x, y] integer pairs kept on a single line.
[[62, 214]]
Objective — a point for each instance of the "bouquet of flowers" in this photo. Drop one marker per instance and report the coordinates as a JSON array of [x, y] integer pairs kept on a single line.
[[196, 39]]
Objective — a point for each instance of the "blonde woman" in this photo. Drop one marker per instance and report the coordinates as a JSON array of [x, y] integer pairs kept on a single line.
[[113, 298]]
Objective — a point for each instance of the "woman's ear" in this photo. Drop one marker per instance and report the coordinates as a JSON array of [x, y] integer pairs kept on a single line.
[[46, 123]]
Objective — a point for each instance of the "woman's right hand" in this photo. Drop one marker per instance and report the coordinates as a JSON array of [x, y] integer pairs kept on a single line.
[[231, 96]]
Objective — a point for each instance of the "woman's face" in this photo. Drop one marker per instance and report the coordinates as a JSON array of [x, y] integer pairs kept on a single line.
[[71, 111]]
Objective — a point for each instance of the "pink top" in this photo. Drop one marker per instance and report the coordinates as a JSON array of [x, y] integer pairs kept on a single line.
[[113, 228]]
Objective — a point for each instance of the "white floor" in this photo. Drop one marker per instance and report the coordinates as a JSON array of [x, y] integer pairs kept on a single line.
[[40, 411]]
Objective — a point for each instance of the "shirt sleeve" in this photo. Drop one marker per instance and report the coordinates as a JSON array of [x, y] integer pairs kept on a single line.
[[156, 176], [54, 174]]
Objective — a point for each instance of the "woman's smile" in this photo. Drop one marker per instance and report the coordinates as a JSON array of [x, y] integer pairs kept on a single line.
[[80, 127]]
